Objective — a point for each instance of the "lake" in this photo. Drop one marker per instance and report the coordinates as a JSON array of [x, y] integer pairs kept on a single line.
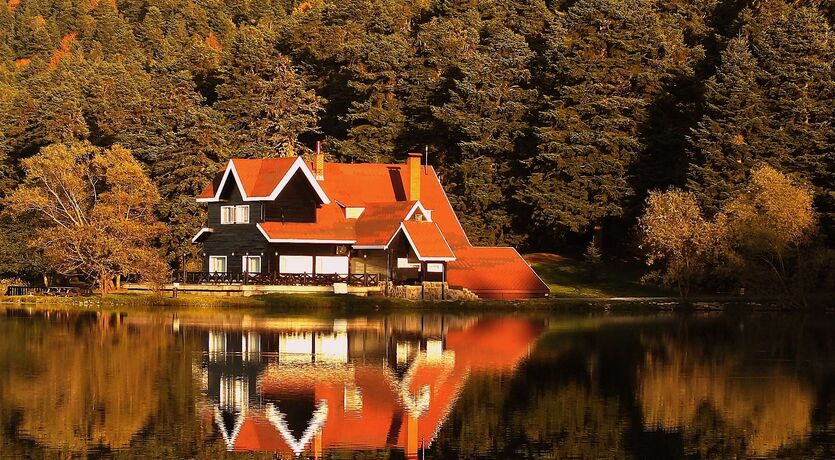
[[417, 385]]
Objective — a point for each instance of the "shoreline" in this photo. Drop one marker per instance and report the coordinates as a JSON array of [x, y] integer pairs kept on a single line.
[[346, 304]]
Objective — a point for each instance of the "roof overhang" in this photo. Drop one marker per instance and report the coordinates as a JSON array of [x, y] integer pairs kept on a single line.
[[298, 165], [301, 240], [417, 253], [203, 231]]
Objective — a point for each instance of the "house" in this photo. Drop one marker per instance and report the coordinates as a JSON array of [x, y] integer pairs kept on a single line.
[[364, 384], [287, 221]]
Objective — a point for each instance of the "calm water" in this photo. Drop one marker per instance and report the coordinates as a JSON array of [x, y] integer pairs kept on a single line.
[[417, 385]]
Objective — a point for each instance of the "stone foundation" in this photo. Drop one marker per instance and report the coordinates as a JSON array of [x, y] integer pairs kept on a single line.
[[431, 290]]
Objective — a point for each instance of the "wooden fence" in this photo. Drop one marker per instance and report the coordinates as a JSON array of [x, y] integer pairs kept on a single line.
[[283, 279]]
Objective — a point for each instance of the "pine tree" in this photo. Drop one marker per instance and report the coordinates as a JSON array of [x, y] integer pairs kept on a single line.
[[488, 112], [795, 48], [266, 102], [609, 59], [728, 142]]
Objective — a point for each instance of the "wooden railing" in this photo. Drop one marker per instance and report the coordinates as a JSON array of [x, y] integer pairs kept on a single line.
[[63, 291], [283, 279]]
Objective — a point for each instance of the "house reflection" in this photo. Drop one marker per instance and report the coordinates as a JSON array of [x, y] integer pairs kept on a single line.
[[357, 384]]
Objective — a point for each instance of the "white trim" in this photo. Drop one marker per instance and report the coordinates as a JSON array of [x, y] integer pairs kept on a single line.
[[419, 205], [223, 220], [547, 286], [451, 209], [425, 259], [225, 264], [296, 240], [238, 207], [245, 269], [200, 233], [297, 165]]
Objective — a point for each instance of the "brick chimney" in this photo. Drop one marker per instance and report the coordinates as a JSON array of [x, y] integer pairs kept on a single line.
[[413, 167], [319, 162]]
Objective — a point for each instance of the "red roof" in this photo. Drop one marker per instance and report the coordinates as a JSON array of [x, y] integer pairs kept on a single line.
[[379, 222], [259, 177], [427, 240], [491, 345], [331, 225], [382, 190]]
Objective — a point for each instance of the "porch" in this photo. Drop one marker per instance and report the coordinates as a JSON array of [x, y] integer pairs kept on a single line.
[[283, 279]]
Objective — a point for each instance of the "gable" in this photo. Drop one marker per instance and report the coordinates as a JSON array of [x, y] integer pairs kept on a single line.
[[261, 179]]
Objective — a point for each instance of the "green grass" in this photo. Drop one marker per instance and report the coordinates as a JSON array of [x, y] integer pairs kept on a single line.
[[569, 277]]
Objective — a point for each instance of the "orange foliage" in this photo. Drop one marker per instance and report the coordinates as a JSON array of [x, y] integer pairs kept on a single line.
[[38, 22], [303, 7], [213, 43], [21, 63], [63, 50], [13, 4], [95, 3]]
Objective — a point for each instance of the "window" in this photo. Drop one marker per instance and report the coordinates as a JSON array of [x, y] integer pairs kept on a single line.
[[332, 265], [252, 264], [295, 264], [435, 268], [234, 214], [242, 214], [227, 214], [217, 264], [403, 262]]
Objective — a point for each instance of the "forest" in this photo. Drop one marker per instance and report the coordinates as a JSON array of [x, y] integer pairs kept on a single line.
[[548, 121]]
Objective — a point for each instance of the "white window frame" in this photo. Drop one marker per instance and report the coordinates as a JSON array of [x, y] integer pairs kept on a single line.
[[325, 265], [245, 266], [225, 264], [224, 218], [295, 259], [435, 267], [403, 262], [238, 218]]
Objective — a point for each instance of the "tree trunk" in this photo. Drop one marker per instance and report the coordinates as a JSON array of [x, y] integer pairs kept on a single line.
[[103, 284]]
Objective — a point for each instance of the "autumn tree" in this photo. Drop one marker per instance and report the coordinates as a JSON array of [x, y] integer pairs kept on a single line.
[[771, 222], [676, 236], [96, 209]]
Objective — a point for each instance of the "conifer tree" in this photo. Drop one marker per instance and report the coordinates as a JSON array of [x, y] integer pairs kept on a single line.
[[488, 113], [266, 103], [609, 59], [728, 142]]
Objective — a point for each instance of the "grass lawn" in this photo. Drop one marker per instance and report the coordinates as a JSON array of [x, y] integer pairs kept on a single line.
[[569, 277]]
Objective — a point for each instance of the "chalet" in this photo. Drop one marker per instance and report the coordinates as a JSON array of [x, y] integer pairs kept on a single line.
[[285, 221]]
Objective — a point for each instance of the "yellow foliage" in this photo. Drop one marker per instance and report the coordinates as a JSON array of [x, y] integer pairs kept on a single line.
[[96, 206], [94, 387], [675, 233], [773, 212], [772, 410], [38, 22]]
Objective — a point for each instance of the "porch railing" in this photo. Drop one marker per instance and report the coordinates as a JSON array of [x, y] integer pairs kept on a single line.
[[283, 279]]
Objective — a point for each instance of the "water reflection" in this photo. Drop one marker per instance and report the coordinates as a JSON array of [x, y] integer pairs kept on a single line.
[[416, 385], [385, 383]]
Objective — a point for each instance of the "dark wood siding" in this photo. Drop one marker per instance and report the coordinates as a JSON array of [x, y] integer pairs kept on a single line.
[[296, 203], [237, 239]]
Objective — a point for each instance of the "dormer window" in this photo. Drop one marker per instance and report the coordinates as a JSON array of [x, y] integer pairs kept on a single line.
[[234, 214], [418, 217]]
